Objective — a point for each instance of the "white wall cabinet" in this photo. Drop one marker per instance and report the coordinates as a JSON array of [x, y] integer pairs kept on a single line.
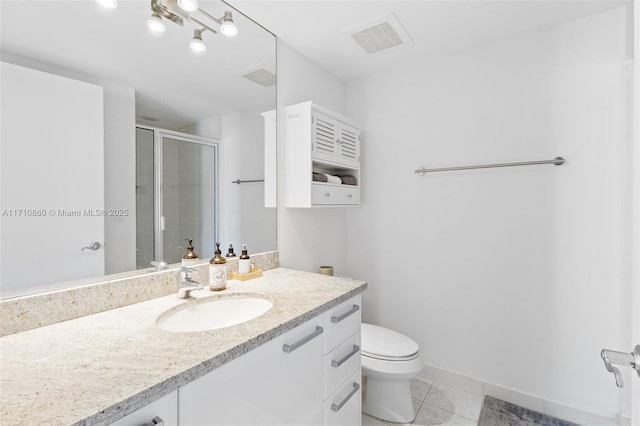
[[163, 412], [318, 140]]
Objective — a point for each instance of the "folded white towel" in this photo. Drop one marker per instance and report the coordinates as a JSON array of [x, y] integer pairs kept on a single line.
[[333, 179]]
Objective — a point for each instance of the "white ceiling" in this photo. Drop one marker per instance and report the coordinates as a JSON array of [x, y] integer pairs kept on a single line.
[[174, 87], [180, 88], [320, 29]]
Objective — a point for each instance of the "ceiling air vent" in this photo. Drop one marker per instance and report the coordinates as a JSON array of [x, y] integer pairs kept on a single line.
[[381, 34], [261, 74]]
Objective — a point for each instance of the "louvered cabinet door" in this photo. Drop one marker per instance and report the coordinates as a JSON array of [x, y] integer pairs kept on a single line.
[[349, 145], [325, 137]]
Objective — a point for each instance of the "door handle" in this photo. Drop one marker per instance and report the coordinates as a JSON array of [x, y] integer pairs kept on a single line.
[[93, 246], [621, 358]]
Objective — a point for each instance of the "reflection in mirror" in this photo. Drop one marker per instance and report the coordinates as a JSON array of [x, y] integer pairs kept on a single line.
[[118, 144]]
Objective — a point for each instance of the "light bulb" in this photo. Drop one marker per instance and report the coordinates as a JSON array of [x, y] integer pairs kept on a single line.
[[155, 24], [228, 28], [188, 5], [197, 45], [110, 4]]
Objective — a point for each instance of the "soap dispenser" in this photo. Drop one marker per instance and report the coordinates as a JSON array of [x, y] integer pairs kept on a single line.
[[231, 253], [244, 262], [190, 257], [217, 271]]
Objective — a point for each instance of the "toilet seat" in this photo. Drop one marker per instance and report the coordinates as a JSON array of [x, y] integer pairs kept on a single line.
[[387, 345]]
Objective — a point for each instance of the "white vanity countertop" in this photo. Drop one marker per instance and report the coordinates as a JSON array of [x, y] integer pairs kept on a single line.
[[98, 368]]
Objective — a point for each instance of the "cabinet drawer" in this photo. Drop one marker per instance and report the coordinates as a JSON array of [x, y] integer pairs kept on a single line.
[[343, 407], [164, 409], [341, 322], [341, 363], [329, 194]]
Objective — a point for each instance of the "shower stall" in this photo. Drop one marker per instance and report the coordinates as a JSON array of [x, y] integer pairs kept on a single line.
[[176, 192]]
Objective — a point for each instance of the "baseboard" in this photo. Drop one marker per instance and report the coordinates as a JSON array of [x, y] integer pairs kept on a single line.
[[623, 421], [532, 402]]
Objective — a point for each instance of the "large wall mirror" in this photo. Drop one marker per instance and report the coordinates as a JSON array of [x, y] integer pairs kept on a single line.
[[119, 144]]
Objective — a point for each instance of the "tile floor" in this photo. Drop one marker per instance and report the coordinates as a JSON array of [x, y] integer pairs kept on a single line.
[[438, 404]]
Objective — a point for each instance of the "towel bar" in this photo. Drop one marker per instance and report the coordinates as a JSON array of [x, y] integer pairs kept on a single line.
[[558, 161]]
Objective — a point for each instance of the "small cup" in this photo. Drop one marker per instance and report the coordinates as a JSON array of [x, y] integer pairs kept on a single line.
[[326, 270]]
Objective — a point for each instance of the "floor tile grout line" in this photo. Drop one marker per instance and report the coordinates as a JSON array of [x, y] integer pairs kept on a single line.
[[452, 412]]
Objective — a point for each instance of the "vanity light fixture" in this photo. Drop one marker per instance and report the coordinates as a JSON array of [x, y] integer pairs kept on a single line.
[[109, 4], [188, 5], [155, 23], [228, 28], [179, 11], [197, 45]]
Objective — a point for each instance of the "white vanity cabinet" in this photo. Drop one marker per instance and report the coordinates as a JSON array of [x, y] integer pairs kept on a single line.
[[321, 141], [341, 365], [163, 412], [307, 376], [278, 383]]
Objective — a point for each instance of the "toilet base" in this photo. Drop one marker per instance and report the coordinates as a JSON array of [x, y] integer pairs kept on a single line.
[[388, 400]]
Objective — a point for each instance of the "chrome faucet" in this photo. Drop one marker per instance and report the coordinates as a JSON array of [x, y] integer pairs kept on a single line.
[[187, 284], [612, 358], [160, 265]]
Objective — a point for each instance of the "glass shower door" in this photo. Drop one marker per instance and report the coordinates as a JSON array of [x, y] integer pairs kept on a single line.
[[188, 188]]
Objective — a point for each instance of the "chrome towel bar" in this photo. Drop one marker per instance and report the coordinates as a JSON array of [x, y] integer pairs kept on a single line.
[[558, 161], [238, 181]]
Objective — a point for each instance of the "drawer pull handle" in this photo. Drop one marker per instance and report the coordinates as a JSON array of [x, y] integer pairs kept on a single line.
[[338, 406], [156, 421], [339, 362], [339, 318], [327, 194], [292, 347]]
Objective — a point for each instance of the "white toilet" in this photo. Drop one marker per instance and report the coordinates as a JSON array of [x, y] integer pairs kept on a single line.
[[389, 361]]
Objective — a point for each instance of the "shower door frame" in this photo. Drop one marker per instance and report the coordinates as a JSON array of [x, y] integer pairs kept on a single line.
[[158, 134]]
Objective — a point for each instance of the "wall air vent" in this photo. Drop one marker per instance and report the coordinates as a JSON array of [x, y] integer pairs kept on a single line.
[[381, 34], [261, 74]]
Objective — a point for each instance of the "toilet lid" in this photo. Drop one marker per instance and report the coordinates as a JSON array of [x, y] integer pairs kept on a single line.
[[380, 342]]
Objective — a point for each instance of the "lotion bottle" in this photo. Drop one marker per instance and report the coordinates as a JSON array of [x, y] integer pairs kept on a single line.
[[190, 258], [244, 262], [217, 271]]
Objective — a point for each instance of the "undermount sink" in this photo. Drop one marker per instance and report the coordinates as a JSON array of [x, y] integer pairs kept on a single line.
[[213, 313]]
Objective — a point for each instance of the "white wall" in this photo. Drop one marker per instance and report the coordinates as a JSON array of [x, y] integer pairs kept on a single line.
[[308, 238], [510, 276], [246, 219], [120, 177], [242, 215]]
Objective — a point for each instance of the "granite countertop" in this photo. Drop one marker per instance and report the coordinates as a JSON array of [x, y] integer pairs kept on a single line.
[[101, 367]]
